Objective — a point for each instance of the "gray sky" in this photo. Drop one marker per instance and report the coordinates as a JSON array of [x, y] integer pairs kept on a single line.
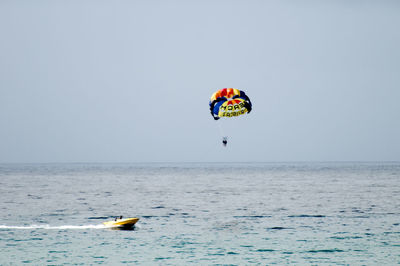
[[130, 81]]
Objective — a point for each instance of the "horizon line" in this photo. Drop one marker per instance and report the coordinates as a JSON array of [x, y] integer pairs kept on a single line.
[[211, 162]]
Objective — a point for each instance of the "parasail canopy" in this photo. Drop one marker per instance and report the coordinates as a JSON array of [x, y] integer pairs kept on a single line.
[[229, 102]]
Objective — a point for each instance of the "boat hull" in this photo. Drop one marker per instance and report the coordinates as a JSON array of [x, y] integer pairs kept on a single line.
[[126, 223]]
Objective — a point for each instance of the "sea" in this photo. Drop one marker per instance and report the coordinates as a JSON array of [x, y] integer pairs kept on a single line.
[[305, 213]]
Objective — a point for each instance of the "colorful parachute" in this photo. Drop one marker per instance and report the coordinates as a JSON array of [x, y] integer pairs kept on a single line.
[[229, 102]]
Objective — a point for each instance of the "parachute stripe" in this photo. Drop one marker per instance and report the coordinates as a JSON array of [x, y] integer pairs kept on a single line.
[[225, 92]]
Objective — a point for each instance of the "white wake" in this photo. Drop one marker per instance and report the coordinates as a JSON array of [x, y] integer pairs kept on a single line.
[[61, 227]]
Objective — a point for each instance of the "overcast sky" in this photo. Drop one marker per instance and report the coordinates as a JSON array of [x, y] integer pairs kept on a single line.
[[130, 81]]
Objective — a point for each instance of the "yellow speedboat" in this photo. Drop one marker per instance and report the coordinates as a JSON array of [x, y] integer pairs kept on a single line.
[[119, 223]]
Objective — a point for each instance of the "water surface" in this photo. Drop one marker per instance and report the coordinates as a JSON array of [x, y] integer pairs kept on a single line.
[[239, 214]]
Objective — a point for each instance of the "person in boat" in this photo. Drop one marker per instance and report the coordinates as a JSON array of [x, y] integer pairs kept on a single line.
[[116, 218]]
